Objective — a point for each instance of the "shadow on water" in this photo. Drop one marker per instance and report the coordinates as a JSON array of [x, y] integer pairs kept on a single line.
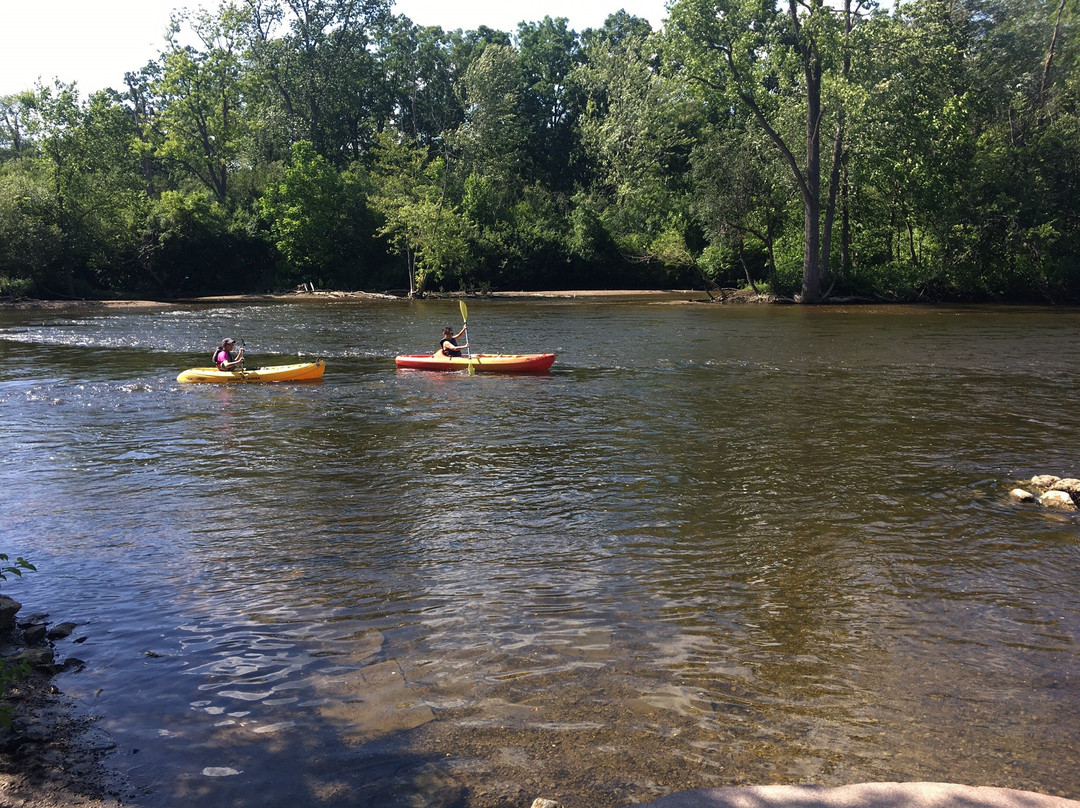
[[336, 756]]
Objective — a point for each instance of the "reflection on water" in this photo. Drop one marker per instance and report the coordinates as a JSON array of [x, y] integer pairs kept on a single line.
[[713, 546]]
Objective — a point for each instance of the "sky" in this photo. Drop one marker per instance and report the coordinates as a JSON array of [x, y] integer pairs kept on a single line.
[[94, 42]]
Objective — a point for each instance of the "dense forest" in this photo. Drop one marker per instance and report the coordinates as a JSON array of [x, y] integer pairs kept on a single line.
[[812, 149]]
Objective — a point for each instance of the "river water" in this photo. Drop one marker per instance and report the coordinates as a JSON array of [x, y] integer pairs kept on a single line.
[[715, 545]]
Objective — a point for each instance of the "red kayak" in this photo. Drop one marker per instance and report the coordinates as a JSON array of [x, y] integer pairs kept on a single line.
[[480, 363]]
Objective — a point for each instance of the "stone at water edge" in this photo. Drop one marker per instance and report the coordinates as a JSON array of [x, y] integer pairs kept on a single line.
[[1022, 495], [1059, 500], [1044, 480], [39, 659], [860, 795], [1069, 485], [34, 633], [9, 607], [61, 631], [540, 802]]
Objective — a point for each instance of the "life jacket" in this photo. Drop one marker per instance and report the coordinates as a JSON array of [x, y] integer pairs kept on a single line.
[[221, 355], [445, 352]]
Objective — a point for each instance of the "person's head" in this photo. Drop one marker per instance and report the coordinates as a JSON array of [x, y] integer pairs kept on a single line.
[[227, 344], [448, 333]]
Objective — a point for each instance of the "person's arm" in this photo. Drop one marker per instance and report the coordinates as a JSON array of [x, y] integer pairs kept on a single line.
[[234, 362], [462, 331]]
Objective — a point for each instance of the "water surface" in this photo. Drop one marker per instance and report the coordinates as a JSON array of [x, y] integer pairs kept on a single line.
[[713, 546]]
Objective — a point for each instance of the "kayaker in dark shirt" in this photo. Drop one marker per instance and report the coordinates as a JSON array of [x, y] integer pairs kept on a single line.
[[226, 358], [448, 344]]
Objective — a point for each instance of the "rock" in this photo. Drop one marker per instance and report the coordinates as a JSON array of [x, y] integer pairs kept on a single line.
[[1059, 500], [9, 607], [39, 659], [879, 795], [1044, 480], [540, 802], [73, 664], [61, 631], [1021, 495], [1069, 485], [35, 634]]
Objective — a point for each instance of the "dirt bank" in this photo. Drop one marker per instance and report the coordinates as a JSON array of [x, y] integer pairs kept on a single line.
[[52, 755]]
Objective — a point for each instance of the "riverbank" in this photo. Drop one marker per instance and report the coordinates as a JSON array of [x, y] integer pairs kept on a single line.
[[673, 295], [52, 755]]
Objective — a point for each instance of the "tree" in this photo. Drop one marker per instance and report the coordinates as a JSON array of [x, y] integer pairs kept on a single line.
[[305, 211], [201, 121], [79, 186], [317, 56], [772, 59], [420, 222], [913, 138], [492, 138], [550, 104], [637, 129], [421, 71], [14, 112], [740, 196]]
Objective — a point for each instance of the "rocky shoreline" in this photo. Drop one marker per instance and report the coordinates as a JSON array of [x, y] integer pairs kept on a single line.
[[52, 756], [1055, 493]]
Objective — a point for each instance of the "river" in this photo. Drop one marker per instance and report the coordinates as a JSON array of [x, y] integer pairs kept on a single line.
[[714, 545]]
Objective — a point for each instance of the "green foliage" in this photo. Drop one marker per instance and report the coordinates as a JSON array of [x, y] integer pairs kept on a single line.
[[306, 213], [929, 149], [182, 235], [549, 102], [492, 138], [419, 221], [202, 98], [11, 673], [30, 237], [16, 567]]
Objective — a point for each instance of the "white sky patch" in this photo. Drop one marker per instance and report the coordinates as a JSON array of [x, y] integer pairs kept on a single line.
[[96, 43]]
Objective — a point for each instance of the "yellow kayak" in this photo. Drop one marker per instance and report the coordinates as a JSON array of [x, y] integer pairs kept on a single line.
[[303, 372]]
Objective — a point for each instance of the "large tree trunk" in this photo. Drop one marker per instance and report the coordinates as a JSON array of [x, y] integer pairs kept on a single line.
[[1044, 85], [815, 263]]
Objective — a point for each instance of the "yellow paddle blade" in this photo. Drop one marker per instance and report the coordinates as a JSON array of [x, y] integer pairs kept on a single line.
[[464, 311]]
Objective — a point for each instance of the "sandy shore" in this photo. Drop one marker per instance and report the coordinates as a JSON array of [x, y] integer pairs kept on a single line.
[[677, 295]]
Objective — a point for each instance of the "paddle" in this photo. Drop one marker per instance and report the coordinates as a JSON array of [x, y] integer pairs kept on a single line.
[[465, 320]]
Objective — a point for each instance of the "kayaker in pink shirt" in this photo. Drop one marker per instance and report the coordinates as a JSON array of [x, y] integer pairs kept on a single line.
[[226, 358]]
